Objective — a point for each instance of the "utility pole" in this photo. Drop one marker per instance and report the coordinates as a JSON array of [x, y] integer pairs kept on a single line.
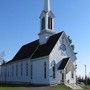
[[85, 74]]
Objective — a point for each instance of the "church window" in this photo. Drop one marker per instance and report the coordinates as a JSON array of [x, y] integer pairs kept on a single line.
[[45, 69], [43, 23], [54, 71], [31, 71], [5, 74], [62, 76], [12, 70], [8, 73], [72, 75], [26, 68], [49, 23], [21, 69], [62, 47], [16, 69]]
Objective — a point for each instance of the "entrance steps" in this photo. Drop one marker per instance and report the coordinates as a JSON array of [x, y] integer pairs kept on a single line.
[[73, 86]]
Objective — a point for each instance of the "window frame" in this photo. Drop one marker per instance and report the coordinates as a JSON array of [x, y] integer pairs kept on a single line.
[[49, 22], [54, 70], [45, 70], [26, 68], [31, 71], [43, 23], [21, 69], [16, 69]]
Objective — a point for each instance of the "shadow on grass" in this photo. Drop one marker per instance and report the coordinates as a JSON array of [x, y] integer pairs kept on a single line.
[[21, 85]]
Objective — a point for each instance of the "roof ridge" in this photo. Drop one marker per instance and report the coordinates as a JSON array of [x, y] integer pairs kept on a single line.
[[34, 51], [46, 49], [63, 63], [31, 42]]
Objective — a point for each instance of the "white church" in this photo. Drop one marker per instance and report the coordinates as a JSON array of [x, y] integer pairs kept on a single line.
[[49, 60]]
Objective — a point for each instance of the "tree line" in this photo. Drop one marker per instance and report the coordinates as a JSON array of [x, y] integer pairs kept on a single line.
[[85, 80]]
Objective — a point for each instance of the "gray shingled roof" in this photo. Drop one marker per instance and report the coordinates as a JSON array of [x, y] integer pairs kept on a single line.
[[35, 50], [63, 63], [45, 49]]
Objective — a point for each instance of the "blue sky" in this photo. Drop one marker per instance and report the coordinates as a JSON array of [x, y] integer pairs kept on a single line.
[[19, 24]]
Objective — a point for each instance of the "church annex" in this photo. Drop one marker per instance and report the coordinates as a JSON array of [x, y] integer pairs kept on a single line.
[[48, 60]]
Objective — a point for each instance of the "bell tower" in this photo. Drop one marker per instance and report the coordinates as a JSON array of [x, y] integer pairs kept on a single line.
[[46, 23]]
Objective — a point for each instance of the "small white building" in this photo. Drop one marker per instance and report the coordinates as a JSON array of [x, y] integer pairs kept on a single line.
[[46, 61]]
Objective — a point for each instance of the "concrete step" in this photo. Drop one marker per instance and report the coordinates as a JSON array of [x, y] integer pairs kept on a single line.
[[73, 86]]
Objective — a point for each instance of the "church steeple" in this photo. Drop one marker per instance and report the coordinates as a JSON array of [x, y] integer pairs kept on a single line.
[[47, 6], [46, 22]]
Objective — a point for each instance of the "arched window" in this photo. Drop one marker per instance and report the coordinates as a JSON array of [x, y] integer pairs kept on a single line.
[[49, 23], [62, 47], [72, 74], [53, 69], [16, 69], [12, 70], [8, 73], [45, 69], [63, 50], [21, 69], [26, 68], [31, 71], [43, 23]]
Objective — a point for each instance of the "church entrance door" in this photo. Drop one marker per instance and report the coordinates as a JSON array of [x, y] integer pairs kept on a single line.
[[62, 77]]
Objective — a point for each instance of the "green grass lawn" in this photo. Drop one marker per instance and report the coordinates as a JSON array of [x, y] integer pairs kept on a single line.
[[8, 88], [58, 87], [87, 87], [61, 87]]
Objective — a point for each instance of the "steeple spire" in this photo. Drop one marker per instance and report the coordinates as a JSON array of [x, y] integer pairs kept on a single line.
[[46, 23], [47, 5]]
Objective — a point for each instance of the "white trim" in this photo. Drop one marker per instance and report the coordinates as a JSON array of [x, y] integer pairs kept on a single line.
[[34, 59]]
